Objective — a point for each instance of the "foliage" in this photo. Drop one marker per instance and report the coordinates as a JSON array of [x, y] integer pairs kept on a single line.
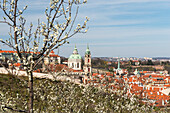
[[150, 62], [167, 67], [56, 96], [146, 68], [98, 63]]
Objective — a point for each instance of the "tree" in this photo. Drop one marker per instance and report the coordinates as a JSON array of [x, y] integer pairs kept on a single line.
[[51, 34], [77, 98], [150, 62]]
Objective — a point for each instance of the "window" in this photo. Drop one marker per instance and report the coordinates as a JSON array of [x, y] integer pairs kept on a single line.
[[88, 60], [77, 65], [88, 69], [72, 65]]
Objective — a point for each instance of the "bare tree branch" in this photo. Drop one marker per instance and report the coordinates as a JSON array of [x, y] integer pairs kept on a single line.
[[17, 110], [6, 23]]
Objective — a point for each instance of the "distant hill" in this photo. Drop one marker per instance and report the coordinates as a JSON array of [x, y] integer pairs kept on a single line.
[[161, 58]]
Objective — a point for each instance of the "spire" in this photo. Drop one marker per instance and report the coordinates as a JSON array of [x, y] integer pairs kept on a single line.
[[118, 67], [87, 50], [87, 46], [75, 50]]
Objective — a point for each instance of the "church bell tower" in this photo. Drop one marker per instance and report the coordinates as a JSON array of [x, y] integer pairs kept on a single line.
[[87, 61]]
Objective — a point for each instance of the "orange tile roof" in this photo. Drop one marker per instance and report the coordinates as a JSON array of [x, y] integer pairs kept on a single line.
[[54, 56], [17, 64], [7, 51]]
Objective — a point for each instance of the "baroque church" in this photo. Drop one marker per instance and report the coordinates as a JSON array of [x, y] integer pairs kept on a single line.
[[75, 61]]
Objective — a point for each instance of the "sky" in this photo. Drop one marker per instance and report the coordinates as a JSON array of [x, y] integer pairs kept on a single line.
[[124, 28]]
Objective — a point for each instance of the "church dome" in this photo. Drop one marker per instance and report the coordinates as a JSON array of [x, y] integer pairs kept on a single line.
[[87, 52], [75, 54]]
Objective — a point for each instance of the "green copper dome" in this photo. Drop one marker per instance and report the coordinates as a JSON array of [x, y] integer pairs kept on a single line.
[[75, 54]]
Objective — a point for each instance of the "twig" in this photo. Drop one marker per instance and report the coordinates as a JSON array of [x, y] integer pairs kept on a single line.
[[6, 23], [18, 110]]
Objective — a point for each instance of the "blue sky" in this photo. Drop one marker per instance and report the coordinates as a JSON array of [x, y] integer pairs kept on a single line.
[[123, 28]]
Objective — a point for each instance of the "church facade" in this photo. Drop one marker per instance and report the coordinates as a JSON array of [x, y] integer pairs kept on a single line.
[[75, 61]]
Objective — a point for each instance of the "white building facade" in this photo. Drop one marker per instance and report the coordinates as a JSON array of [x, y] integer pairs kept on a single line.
[[75, 60], [52, 58]]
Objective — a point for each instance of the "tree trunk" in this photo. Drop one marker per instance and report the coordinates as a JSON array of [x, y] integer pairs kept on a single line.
[[31, 96]]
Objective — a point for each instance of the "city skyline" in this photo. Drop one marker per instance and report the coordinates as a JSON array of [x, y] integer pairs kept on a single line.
[[124, 28]]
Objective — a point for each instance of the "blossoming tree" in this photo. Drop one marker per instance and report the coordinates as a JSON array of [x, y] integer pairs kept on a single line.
[[51, 33]]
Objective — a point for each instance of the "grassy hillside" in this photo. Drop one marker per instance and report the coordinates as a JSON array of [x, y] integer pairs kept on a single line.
[[55, 96]]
